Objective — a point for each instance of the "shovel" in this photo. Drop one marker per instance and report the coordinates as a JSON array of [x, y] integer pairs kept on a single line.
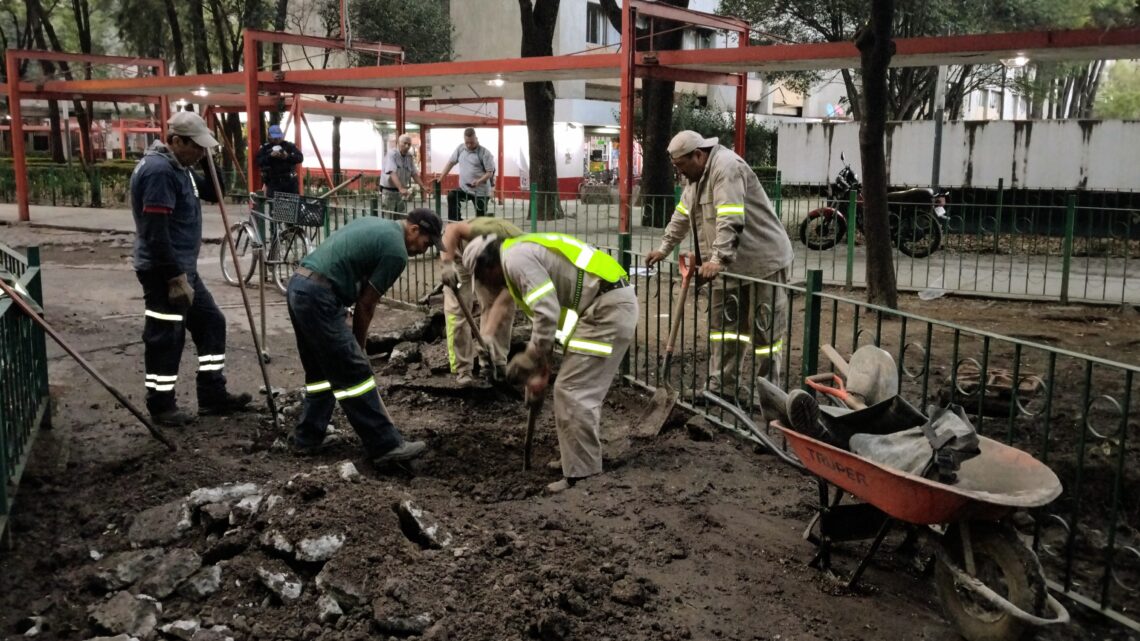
[[661, 405], [534, 408]]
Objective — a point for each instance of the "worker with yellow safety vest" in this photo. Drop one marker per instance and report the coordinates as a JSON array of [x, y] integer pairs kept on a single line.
[[578, 297], [738, 232]]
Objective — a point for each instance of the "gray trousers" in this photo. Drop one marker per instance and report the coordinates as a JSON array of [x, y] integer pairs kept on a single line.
[[460, 343], [586, 376], [746, 334], [393, 201]]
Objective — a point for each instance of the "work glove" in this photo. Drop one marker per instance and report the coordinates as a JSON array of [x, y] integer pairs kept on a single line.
[[179, 292], [523, 365], [450, 275]]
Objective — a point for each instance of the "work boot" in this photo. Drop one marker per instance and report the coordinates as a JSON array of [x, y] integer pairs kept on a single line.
[[299, 448], [173, 417], [803, 415], [405, 451], [559, 487], [224, 405], [465, 379]]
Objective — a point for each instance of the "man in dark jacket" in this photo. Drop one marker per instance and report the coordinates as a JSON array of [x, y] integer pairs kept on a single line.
[[165, 203], [278, 160]]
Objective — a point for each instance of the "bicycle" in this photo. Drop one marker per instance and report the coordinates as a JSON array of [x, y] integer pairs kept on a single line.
[[294, 228]]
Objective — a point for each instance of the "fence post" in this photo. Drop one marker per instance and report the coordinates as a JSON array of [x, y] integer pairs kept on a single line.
[[374, 206], [533, 208], [997, 216], [625, 257], [778, 197], [436, 191], [676, 201], [852, 225], [812, 306], [39, 346], [1067, 247]]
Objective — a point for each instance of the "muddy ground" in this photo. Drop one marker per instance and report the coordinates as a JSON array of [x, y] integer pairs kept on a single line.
[[692, 535]]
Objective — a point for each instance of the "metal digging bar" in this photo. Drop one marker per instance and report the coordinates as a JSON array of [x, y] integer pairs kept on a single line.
[[245, 300], [38, 320]]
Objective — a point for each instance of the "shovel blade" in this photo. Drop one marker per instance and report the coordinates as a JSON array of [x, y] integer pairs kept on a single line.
[[657, 412]]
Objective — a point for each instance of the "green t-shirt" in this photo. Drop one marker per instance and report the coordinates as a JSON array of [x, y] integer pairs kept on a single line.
[[366, 250], [483, 225]]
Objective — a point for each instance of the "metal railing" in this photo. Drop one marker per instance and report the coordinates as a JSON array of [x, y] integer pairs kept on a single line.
[[1072, 411], [24, 402]]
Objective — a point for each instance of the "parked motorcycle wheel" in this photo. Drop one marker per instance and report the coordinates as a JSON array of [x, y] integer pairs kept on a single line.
[[919, 235], [823, 229]]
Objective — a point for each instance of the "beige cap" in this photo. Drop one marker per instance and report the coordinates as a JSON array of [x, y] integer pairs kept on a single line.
[[191, 125], [474, 249], [687, 141]]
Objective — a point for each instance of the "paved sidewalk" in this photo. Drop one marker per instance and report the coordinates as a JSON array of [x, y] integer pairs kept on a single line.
[[115, 220]]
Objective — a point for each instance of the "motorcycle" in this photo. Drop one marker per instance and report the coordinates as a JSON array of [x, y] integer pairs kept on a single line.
[[917, 216]]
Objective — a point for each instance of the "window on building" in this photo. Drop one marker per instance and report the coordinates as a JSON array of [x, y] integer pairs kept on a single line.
[[599, 31], [703, 39]]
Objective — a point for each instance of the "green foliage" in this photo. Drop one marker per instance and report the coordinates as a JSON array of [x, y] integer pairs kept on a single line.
[[1120, 97], [760, 141], [423, 27]]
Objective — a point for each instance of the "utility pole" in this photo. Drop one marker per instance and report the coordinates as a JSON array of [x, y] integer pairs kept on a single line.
[[939, 108]]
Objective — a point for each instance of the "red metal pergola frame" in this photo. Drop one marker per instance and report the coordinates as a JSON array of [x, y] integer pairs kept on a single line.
[[728, 66]]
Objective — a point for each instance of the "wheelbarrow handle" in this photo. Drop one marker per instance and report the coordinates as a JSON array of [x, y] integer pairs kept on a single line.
[[818, 383]]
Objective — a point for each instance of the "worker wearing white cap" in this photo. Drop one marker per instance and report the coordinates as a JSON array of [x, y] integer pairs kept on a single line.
[[577, 296], [738, 232]]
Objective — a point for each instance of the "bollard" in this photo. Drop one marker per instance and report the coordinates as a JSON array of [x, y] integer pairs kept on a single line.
[[997, 215], [436, 190], [1067, 247], [778, 197], [851, 227], [812, 307], [533, 208]]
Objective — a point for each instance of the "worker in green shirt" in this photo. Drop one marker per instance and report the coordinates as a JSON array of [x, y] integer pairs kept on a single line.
[[355, 265], [460, 344]]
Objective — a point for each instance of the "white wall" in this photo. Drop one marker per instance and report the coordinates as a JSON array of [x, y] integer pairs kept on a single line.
[[362, 147], [569, 144], [1043, 154]]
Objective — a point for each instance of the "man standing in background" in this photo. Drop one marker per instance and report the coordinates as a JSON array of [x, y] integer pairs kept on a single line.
[[278, 160], [399, 173], [476, 175]]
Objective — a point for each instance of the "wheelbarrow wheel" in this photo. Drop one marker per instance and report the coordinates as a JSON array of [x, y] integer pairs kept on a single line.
[[1007, 567]]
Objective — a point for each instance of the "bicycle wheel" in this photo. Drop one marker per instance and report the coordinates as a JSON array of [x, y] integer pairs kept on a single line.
[[245, 244], [288, 250]]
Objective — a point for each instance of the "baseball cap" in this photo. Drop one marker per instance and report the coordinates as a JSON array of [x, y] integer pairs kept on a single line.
[[275, 132], [688, 141], [190, 125], [474, 249], [429, 224]]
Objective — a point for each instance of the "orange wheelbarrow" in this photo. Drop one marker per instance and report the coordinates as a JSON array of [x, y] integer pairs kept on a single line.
[[990, 584]]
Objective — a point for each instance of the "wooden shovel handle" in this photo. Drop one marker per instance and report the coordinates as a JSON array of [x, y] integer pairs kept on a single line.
[[836, 359]]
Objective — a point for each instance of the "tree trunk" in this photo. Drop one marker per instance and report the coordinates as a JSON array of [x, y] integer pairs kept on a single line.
[[538, 19], [176, 38], [336, 151], [198, 34], [279, 17], [853, 95], [875, 51], [55, 137]]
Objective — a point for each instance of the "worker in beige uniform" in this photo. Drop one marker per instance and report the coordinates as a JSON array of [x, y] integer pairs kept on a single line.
[[738, 232], [461, 346], [579, 297]]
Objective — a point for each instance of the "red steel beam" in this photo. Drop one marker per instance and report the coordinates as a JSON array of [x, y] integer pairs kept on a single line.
[[325, 43], [62, 56], [457, 101], [690, 16], [625, 144], [472, 68], [687, 75], [253, 112], [328, 90], [19, 160], [155, 86]]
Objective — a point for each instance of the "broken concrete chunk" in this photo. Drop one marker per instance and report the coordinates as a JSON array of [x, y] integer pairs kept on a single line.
[[245, 509], [273, 501], [629, 591], [121, 569], [348, 472], [126, 613], [420, 526], [120, 637], [203, 583], [319, 549], [405, 353], [221, 494], [160, 525], [276, 541], [216, 633], [175, 567], [183, 629], [328, 610], [280, 581], [215, 514], [336, 582], [401, 626]]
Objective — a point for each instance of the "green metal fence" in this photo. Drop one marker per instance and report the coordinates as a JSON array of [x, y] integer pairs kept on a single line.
[[1073, 411], [24, 405]]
